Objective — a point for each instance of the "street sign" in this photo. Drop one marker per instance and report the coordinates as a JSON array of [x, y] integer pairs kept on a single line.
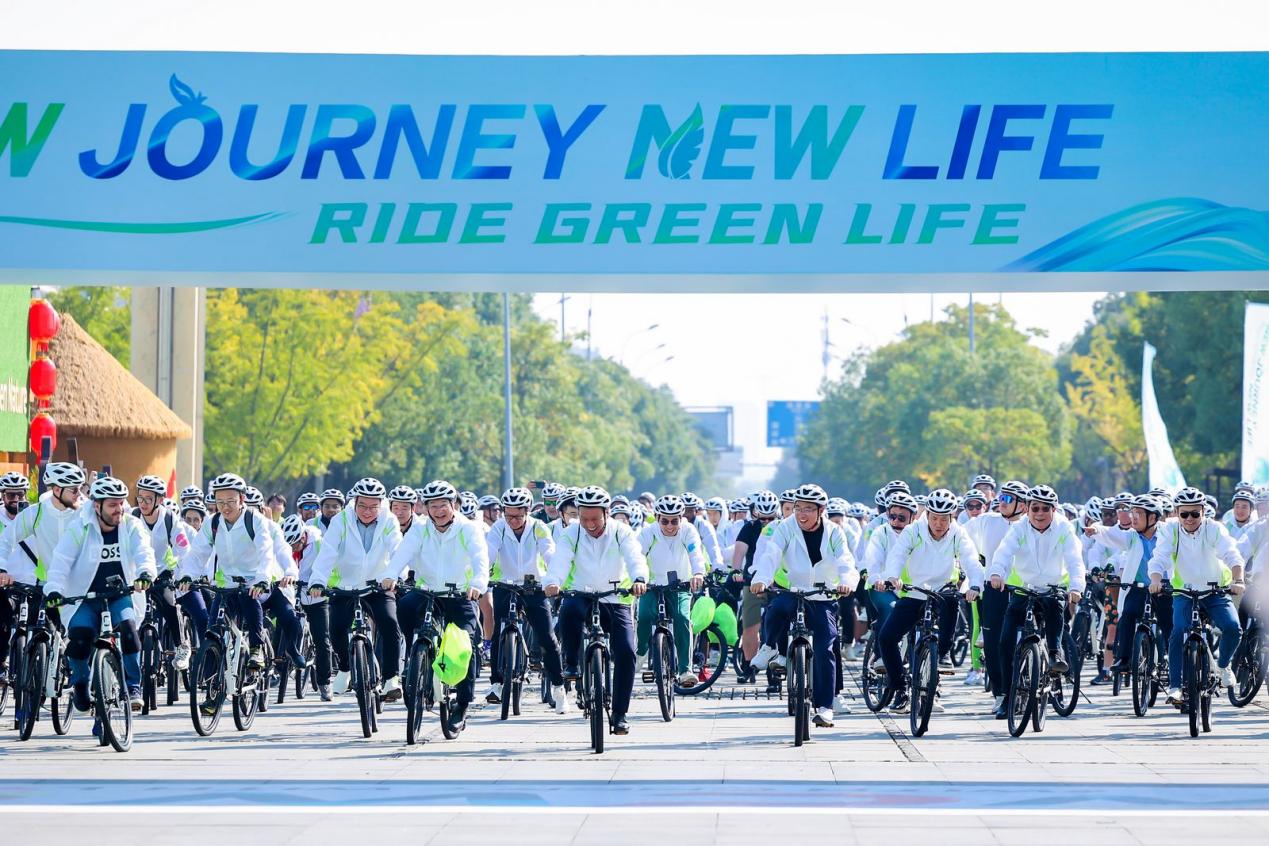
[[786, 419], [716, 424]]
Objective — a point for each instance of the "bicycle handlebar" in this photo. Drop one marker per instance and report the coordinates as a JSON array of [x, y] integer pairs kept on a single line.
[[107, 595], [1213, 589], [358, 592], [821, 589], [1053, 591], [946, 592], [521, 588]]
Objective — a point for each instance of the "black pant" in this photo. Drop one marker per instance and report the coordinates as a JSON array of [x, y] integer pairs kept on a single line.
[[382, 608], [247, 611], [1134, 605], [1050, 615], [465, 614], [617, 620], [538, 613], [318, 616], [278, 604], [991, 616], [8, 618], [164, 599], [903, 618]]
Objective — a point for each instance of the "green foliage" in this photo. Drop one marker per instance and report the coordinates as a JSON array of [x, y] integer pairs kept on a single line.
[[105, 312]]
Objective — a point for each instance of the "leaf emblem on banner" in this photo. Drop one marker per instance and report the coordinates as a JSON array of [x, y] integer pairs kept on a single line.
[[683, 146], [183, 93]]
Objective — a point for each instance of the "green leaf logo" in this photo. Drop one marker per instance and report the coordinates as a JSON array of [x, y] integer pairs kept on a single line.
[[683, 146]]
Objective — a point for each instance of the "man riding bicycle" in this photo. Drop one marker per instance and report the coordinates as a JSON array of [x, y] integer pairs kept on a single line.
[[671, 545]]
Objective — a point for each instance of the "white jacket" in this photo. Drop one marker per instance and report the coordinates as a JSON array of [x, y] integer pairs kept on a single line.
[[786, 544], [1253, 545], [877, 550], [283, 559], [987, 531], [231, 552], [78, 553], [307, 557], [680, 554], [512, 558], [589, 564], [918, 559], [1123, 547], [1193, 561], [343, 561], [41, 526], [1036, 560], [458, 556], [709, 543], [168, 551]]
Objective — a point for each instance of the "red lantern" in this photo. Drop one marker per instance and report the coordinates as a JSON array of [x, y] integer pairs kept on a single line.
[[43, 378], [42, 321], [42, 426]]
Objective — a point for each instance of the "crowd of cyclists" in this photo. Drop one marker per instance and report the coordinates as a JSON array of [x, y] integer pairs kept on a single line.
[[811, 584]]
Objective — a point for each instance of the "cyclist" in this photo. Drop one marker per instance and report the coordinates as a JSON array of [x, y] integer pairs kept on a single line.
[[193, 513], [787, 501], [490, 509], [1241, 515], [332, 503], [567, 511], [447, 549], [98, 544], [401, 502], [765, 508], [188, 494], [1135, 549], [813, 551], [170, 542], [901, 509], [929, 553], [1192, 553], [519, 546], [693, 515], [590, 555], [357, 549], [671, 545], [622, 512], [278, 602], [1037, 552], [307, 506], [233, 543], [305, 540], [13, 491], [549, 511]]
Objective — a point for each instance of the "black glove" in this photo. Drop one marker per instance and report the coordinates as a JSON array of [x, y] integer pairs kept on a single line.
[[53, 599]]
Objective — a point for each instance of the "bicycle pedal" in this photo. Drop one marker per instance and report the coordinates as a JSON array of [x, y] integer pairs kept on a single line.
[[649, 676], [946, 671]]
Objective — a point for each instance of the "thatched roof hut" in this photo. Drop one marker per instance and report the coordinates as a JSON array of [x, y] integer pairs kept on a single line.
[[114, 418]]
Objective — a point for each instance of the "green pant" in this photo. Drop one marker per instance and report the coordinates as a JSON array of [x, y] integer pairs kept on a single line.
[[678, 606]]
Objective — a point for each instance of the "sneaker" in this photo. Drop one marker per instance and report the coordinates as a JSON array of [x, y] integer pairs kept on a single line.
[[79, 694], [1059, 665], [938, 706], [494, 694], [1120, 666], [392, 689], [778, 661], [134, 698], [823, 717], [1101, 678], [340, 685], [323, 690], [900, 704], [1001, 713], [687, 679], [458, 719], [998, 704], [1174, 696], [620, 726], [1227, 677], [764, 656], [973, 677], [841, 704], [180, 657], [704, 675], [560, 698], [256, 659], [945, 661], [978, 641]]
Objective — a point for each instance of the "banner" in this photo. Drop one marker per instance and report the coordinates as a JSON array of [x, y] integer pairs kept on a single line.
[[1255, 394], [14, 348], [1164, 471], [292, 169]]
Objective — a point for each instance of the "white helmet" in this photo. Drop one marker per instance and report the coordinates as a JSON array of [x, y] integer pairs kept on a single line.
[[670, 505], [228, 482], [691, 500], [293, 529], [63, 474], [368, 487], [403, 493], [619, 507], [517, 498], [191, 492], [488, 501], [766, 504], [439, 489], [153, 484], [107, 487], [253, 496], [467, 504], [333, 493], [1189, 496], [941, 501], [308, 499], [552, 490], [1044, 494], [811, 493], [715, 503], [837, 507], [593, 496]]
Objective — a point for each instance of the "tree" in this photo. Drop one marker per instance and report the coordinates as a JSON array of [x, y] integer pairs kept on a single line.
[[105, 312], [1111, 448]]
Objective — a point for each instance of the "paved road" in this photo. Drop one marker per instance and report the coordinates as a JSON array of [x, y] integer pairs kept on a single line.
[[724, 770]]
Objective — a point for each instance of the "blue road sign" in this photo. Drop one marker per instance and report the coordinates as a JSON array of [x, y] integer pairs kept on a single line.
[[786, 419]]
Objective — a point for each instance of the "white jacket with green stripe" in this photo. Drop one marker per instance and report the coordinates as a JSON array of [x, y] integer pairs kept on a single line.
[[1035, 560], [40, 527], [584, 563], [1193, 561], [786, 545], [344, 562], [456, 556], [916, 558], [680, 554], [512, 558], [78, 553]]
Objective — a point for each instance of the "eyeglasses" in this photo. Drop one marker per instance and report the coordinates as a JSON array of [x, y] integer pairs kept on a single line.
[[1006, 499], [1189, 515], [897, 518], [974, 506], [226, 503], [1040, 508], [670, 521], [806, 510]]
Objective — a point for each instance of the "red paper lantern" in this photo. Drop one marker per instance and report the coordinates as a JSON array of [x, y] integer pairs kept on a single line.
[[43, 378], [42, 426], [42, 321]]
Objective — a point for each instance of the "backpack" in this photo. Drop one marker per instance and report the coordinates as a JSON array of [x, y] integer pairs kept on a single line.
[[168, 522]]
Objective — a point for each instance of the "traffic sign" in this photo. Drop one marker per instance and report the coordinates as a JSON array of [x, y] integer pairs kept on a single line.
[[786, 419]]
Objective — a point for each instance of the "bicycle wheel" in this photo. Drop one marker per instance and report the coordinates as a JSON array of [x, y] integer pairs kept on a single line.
[[520, 673], [1043, 690], [507, 649], [1248, 670], [309, 653], [799, 692], [598, 673], [875, 684], [17, 671], [207, 680], [661, 653], [172, 679], [712, 646], [31, 693], [246, 699], [1191, 670], [359, 680], [264, 676], [1064, 692], [925, 680], [62, 705], [150, 658], [960, 639], [1142, 668], [1026, 666], [111, 693], [1206, 699]]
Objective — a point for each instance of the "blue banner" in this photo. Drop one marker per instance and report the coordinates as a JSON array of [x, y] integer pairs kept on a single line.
[[290, 167]]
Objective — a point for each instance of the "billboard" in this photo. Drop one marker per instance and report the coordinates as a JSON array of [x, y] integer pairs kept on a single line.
[[786, 419], [716, 424], [14, 349]]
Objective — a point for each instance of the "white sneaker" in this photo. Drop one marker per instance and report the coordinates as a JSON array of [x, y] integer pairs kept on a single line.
[[561, 699], [1174, 695], [1000, 700], [494, 694], [180, 657], [972, 678], [855, 652], [763, 657], [1227, 677], [824, 717], [938, 706], [841, 704], [392, 689], [688, 679], [778, 660], [340, 684]]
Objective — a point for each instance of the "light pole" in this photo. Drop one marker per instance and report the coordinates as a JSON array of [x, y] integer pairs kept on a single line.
[[621, 359], [508, 460], [563, 299], [971, 322]]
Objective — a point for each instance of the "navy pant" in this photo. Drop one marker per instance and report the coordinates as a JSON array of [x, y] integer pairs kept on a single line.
[[616, 619], [279, 605], [821, 619], [247, 611], [991, 616], [382, 608], [1050, 617], [1134, 605], [538, 613], [1220, 610], [903, 618]]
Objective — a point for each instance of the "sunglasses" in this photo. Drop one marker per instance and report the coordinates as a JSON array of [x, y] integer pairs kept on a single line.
[[1189, 515], [669, 521], [897, 518], [974, 505], [1041, 509], [1006, 499]]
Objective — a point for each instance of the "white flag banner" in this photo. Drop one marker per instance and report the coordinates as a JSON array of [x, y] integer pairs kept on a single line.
[[1164, 471], [1256, 394]]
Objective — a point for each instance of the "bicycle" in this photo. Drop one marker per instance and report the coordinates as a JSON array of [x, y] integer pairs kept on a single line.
[[798, 662], [1031, 681], [1249, 662], [222, 668], [306, 676], [1149, 667], [420, 678], [1199, 680], [109, 688], [710, 649], [594, 694], [924, 667], [513, 651], [662, 651], [46, 675], [363, 666], [960, 638], [157, 669]]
